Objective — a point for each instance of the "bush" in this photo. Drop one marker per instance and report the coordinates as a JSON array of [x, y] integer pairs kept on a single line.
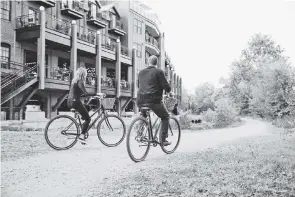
[[184, 121], [287, 122], [209, 116], [224, 115]]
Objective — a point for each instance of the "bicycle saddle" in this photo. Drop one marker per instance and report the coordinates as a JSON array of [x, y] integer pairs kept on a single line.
[[102, 95], [73, 110], [145, 108]]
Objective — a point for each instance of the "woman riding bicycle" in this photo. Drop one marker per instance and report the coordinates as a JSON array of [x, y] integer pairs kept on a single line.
[[78, 90]]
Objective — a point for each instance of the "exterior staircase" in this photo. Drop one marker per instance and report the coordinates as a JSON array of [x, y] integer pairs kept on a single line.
[[16, 82]]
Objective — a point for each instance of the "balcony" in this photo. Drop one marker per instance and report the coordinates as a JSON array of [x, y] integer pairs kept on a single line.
[[108, 44], [97, 21], [152, 45], [87, 35], [73, 9], [46, 3], [57, 29], [91, 77], [117, 28], [125, 85], [126, 55]]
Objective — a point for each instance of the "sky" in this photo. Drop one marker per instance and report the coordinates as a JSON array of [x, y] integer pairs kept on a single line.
[[204, 37]]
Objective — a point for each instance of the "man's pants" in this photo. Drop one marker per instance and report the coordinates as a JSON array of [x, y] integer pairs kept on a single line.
[[161, 111]]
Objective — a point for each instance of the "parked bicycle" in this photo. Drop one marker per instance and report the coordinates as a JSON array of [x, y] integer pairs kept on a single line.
[[141, 133], [68, 128]]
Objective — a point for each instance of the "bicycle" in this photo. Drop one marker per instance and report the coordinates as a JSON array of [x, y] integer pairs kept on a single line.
[[144, 132], [73, 133]]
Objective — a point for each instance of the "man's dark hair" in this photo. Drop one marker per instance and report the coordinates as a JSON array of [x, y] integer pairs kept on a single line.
[[153, 60]]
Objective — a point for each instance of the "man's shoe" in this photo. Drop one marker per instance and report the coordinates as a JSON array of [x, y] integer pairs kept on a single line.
[[166, 143]]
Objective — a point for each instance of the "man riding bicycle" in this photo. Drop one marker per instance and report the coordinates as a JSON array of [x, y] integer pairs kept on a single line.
[[151, 83]]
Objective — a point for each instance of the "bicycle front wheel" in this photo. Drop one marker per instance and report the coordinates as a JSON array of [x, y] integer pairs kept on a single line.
[[174, 134], [61, 132], [111, 130], [138, 139]]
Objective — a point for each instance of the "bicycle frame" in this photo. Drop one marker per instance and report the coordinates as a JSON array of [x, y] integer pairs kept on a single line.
[[93, 123], [151, 127]]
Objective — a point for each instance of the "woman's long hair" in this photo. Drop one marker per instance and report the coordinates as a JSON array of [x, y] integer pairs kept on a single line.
[[80, 74]]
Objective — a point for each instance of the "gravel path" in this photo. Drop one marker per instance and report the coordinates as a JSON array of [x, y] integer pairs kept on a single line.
[[95, 170]]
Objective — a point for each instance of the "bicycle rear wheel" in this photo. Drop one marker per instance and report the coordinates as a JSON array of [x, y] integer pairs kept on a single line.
[[138, 139], [111, 130], [61, 132], [174, 134]]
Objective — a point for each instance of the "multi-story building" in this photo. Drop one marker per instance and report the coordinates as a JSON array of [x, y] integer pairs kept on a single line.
[[44, 42]]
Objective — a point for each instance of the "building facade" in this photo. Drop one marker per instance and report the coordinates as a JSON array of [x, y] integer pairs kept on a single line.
[[44, 42]]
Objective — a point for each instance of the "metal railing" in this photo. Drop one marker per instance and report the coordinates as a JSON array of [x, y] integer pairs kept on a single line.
[[73, 4], [126, 51], [12, 66], [119, 25], [58, 24], [97, 16], [57, 73], [18, 81], [108, 82], [86, 35], [152, 41], [108, 42], [28, 20], [125, 85]]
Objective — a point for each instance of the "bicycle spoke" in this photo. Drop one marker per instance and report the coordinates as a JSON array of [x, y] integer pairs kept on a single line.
[[138, 140], [61, 137], [111, 130]]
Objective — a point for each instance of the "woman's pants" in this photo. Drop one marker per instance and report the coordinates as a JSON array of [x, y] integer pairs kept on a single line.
[[77, 105]]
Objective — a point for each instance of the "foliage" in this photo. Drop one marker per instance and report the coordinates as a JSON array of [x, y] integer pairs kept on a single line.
[[262, 81]]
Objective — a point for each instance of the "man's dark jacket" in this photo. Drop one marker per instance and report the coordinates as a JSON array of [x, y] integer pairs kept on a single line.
[[151, 83]]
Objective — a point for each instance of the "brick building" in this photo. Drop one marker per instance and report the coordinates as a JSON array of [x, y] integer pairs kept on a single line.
[[44, 42]]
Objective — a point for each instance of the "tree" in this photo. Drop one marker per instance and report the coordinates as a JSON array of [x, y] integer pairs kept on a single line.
[[203, 98], [250, 86]]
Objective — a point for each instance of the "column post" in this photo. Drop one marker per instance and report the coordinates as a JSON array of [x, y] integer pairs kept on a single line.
[[134, 80], [118, 76], [74, 52], [98, 62], [41, 49]]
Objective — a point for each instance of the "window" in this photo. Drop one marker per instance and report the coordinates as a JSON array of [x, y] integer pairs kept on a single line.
[[137, 28], [5, 55], [138, 50], [5, 9], [92, 11]]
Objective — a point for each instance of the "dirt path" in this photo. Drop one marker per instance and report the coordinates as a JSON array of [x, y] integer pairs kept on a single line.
[[84, 170]]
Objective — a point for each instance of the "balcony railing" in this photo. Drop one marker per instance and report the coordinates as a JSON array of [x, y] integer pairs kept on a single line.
[[119, 25], [91, 80], [108, 42], [86, 35], [91, 76], [73, 4], [125, 85], [108, 82], [57, 73], [126, 51], [152, 41], [58, 24], [25, 21]]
